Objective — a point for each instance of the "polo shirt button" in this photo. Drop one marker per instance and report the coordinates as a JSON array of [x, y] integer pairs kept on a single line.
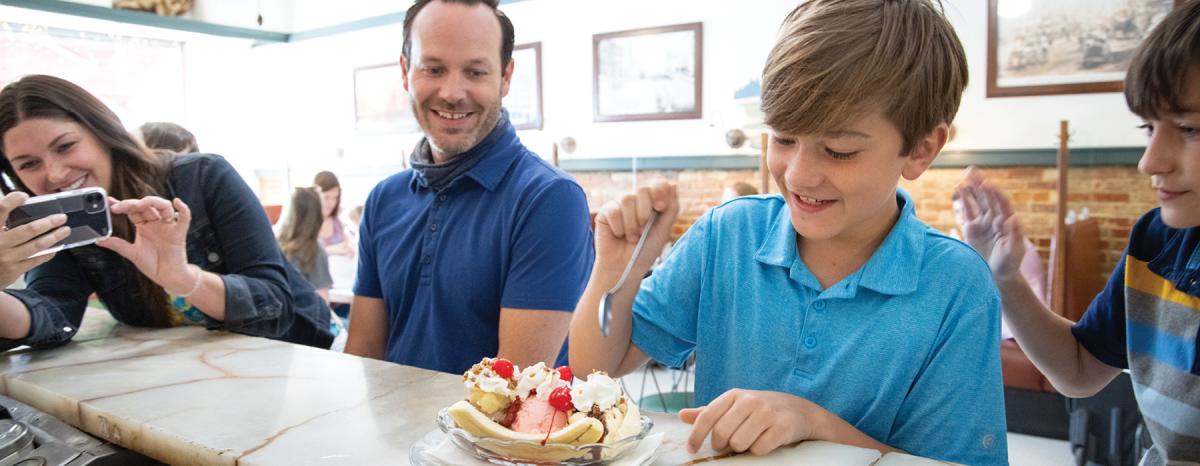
[[433, 227], [441, 197], [819, 305], [810, 342], [427, 259]]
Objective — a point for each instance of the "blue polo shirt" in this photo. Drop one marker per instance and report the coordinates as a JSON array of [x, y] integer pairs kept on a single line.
[[904, 349], [511, 232]]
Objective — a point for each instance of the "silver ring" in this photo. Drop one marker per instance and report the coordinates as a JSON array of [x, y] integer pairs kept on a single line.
[[173, 220]]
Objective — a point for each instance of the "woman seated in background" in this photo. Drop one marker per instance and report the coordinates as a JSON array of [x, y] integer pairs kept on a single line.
[[170, 137], [298, 239], [190, 245], [333, 233]]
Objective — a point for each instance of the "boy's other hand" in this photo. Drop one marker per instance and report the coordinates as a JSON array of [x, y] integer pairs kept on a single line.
[[991, 227], [619, 225], [751, 420]]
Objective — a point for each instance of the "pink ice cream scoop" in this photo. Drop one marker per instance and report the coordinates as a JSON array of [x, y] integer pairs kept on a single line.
[[537, 416]]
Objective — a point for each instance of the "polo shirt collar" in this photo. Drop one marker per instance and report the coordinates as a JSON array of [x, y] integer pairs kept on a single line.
[[1179, 259], [496, 153], [890, 270], [501, 151]]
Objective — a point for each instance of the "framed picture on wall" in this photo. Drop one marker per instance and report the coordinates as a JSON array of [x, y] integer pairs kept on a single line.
[[381, 104], [648, 74], [1043, 47], [524, 99]]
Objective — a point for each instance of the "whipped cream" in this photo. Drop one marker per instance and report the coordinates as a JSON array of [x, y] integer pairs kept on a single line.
[[541, 378], [486, 380], [599, 389]]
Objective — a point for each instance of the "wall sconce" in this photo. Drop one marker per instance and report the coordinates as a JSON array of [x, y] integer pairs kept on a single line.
[[735, 138], [567, 144]]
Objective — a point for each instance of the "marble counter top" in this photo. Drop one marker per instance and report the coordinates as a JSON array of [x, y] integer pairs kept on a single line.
[[190, 396]]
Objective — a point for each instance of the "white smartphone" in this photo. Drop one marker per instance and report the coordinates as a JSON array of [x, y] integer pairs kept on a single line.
[[86, 210]]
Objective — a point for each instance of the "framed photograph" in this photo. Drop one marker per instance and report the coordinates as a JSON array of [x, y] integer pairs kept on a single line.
[[380, 103], [648, 74], [1043, 47], [524, 100]]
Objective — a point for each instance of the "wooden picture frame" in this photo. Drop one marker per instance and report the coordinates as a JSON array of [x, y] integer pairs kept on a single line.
[[524, 99], [648, 74], [381, 105], [1047, 47]]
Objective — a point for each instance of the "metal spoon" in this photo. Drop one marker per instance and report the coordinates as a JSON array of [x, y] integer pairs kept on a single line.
[[605, 307]]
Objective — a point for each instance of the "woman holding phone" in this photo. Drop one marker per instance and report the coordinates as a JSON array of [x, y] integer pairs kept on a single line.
[[190, 243]]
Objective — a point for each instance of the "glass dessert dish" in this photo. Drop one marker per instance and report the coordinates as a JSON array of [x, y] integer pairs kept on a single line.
[[522, 452]]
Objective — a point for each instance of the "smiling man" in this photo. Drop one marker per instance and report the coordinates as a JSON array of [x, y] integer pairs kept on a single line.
[[482, 248]]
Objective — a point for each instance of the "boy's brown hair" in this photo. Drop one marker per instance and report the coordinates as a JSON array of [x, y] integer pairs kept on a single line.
[[1159, 70], [836, 60]]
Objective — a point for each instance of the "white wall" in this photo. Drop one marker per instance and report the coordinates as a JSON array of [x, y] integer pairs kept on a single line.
[[1097, 120], [310, 84]]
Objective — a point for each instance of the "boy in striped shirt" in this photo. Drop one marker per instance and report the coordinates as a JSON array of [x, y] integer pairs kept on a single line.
[[1146, 319]]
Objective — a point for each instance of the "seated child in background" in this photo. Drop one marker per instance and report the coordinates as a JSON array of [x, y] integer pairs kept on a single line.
[[169, 137], [738, 189], [830, 312]]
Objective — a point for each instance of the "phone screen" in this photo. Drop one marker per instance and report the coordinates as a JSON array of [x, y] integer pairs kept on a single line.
[[86, 210]]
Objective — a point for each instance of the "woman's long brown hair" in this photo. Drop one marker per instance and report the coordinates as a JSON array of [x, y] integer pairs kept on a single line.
[[136, 171], [298, 233]]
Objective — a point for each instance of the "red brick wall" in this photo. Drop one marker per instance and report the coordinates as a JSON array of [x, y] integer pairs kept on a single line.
[[1115, 195]]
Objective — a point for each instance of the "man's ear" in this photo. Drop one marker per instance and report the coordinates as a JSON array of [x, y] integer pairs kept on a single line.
[[404, 72], [923, 153], [506, 78]]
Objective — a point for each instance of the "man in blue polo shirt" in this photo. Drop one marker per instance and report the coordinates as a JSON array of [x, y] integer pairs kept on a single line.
[[482, 248]]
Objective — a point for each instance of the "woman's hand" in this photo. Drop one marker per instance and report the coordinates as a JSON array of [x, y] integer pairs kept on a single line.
[[752, 420], [160, 239], [17, 244]]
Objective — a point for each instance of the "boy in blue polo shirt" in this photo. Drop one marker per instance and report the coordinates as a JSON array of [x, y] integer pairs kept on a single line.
[[830, 312], [1147, 317]]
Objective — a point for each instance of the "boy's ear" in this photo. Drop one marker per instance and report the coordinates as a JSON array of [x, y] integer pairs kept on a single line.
[[923, 153]]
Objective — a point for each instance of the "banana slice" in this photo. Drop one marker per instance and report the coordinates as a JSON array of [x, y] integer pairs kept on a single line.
[[630, 425], [579, 432]]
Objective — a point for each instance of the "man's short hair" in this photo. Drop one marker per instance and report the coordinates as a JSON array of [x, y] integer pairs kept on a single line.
[[836, 60], [1159, 69], [507, 34]]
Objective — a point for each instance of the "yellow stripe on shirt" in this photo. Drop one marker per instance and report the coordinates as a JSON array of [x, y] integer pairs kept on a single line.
[[1139, 277]]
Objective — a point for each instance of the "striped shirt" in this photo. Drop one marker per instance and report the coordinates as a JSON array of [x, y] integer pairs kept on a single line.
[[1146, 320]]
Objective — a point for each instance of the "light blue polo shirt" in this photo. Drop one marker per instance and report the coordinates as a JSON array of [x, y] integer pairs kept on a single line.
[[904, 349]]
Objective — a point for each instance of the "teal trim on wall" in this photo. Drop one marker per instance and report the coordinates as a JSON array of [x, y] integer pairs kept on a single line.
[[181, 24], [146, 19], [1080, 157], [351, 26], [956, 159], [360, 24]]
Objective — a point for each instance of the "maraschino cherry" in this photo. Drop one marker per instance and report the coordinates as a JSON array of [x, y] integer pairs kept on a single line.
[[503, 368]]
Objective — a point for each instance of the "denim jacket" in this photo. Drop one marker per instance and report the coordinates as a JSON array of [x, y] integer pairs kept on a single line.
[[229, 235]]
